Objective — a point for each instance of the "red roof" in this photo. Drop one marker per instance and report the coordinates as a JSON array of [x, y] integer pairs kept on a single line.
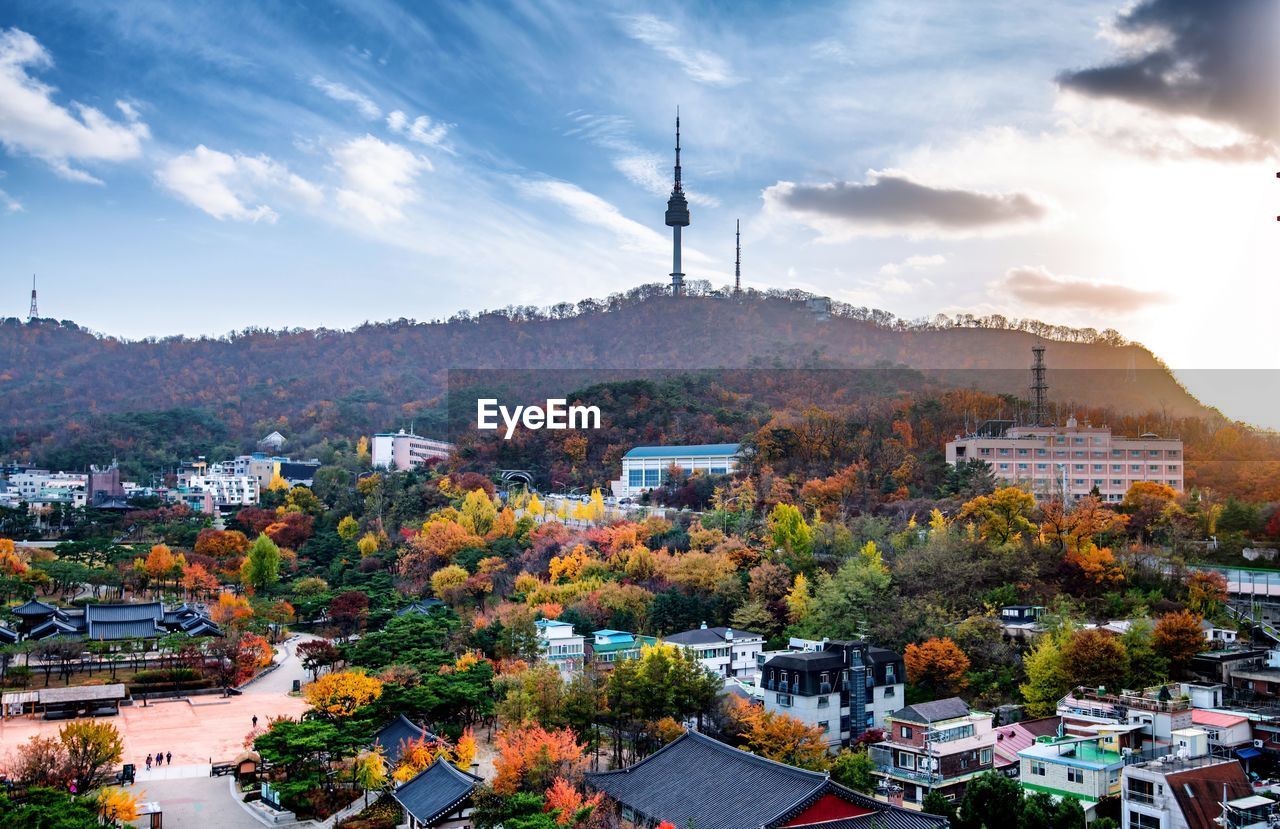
[[1012, 738], [1199, 792], [1199, 716]]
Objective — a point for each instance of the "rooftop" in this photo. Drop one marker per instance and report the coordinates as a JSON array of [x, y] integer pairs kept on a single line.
[[952, 708], [710, 636], [1074, 752], [701, 450], [436, 791]]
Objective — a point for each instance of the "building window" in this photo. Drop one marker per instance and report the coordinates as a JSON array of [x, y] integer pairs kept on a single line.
[[906, 760], [906, 732], [824, 702], [1137, 820], [1075, 775], [635, 478], [986, 756], [1038, 768], [824, 725], [890, 691]]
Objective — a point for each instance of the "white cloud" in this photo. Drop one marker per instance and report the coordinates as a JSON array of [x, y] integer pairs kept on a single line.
[[378, 179], [32, 123], [9, 203], [421, 129], [699, 64], [347, 95], [913, 263], [591, 209], [224, 186]]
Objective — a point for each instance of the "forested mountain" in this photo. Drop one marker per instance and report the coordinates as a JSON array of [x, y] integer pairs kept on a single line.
[[69, 396]]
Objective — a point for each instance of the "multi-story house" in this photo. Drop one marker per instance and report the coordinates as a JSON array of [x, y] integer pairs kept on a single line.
[[560, 646], [608, 647], [1075, 459], [724, 651], [935, 746], [842, 687], [1157, 712], [1188, 792], [1086, 769]]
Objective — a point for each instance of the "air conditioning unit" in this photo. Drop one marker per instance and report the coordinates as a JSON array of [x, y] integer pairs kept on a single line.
[[1257, 743]]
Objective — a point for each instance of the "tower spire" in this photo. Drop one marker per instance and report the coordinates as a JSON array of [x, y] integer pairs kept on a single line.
[[677, 217], [737, 258], [34, 313]]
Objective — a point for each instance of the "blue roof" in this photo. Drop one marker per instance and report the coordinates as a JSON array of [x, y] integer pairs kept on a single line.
[[702, 450], [552, 623]]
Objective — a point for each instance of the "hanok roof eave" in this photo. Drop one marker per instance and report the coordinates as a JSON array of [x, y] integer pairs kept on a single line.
[[468, 781]]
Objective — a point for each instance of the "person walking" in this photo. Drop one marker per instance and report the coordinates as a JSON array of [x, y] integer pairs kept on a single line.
[[148, 762], [255, 720], [168, 758]]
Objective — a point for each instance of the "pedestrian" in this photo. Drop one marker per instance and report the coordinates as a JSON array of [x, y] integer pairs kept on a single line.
[[255, 720], [168, 758], [159, 758], [148, 762]]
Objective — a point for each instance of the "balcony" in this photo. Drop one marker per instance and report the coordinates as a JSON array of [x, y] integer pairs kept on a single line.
[[1143, 798]]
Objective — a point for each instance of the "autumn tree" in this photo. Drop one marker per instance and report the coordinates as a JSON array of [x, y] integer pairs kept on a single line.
[[937, 666], [1047, 679], [799, 599], [532, 758], [316, 654], [1002, 517], [349, 611], [117, 806], [198, 581], [221, 544], [779, 736], [348, 528], [369, 770], [567, 804], [1095, 658], [790, 533], [1178, 637], [231, 610], [92, 747], [1206, 592], [339, 694]]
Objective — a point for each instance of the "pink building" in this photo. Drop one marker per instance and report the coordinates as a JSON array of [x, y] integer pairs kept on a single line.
[[1051, 460], [404, 450]]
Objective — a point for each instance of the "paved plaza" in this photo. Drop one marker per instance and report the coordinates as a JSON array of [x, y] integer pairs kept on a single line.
[[203, 730]]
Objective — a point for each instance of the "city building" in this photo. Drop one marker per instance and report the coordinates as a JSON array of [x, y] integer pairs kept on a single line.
[[227, 490], [841, 687], [724, 651], [404, 450], [560, 646], [935, 746], [611, 646], [647, 467], [1075, 459], [1226, 732], [697, 781], [1157, 713], [1086, 769], [1188, 792]]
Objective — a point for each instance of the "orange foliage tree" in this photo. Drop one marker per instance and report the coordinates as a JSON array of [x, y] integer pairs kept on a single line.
[[567, 803], [530, 758], [231, 609], [1095, 658], [1178, 637], [938, 666], [779, 736]]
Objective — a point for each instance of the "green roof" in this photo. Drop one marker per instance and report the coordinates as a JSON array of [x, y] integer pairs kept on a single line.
[[702, 450]]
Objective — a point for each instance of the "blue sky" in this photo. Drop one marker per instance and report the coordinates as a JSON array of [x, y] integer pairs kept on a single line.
[[172, 168]]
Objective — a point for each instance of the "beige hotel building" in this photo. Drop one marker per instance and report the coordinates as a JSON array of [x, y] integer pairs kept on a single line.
[[1049, 460]]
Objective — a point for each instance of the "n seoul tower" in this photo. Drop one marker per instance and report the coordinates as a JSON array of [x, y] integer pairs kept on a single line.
[[677, 217]]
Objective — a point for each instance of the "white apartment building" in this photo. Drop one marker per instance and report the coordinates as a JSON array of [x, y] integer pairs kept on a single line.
[[560, 646], [1186, 790], [646, 467], [404, 450], [34, 483], [724, 651], [227, 490], [1074, 458]]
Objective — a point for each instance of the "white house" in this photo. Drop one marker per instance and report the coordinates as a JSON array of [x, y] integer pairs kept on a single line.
[[404, 450], [560, 646], [725, 651]]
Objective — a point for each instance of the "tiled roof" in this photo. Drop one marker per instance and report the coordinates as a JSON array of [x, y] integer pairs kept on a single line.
[[53, 627], [1012, 738], [807, 660], [420, 606], [33, 608], [134, 629], [123, 612], [8, 635], [437, 791], [709, 636], [700, 450], [936, 711], [1199, 791], [395, 734], [1199, 716], [700, 781]]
